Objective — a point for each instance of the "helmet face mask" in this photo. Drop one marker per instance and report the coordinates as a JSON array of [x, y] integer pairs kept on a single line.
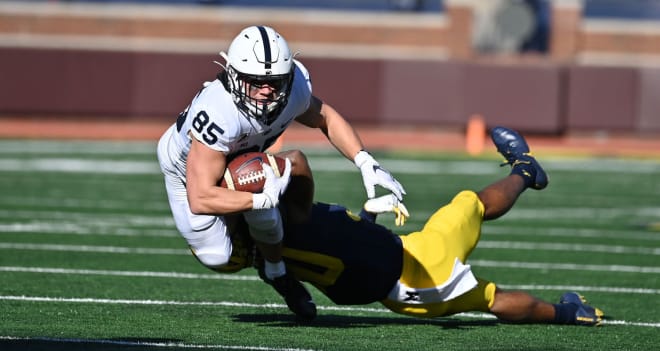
[[278, 82], [258, 58]]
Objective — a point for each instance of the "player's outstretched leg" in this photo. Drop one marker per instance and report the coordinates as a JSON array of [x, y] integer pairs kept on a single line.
[[521, 307], [526, 172], [516, 152], [579, 312], [499, 197]]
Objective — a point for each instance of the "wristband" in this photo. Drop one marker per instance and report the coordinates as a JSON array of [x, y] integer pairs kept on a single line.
[[261, 201], [362, 157]]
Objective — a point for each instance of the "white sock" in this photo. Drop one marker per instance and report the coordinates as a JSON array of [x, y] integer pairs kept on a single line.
[[274, 270]]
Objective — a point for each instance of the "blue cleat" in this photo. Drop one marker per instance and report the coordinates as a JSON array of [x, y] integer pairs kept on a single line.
[[585, 314], [516, 152]]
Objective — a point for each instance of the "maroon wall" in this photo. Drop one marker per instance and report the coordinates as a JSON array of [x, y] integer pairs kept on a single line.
[[164, 84], [99, 82], [526, 96], [603, 98], [649, 99], [533, 97], [51, 81], [422, 92], [350, 86]]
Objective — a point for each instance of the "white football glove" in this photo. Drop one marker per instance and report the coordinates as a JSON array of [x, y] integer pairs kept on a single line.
[[388, 203], [274, 187], [373, 174]]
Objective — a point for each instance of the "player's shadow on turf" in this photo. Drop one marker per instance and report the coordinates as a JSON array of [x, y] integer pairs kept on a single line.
[[341, 321]]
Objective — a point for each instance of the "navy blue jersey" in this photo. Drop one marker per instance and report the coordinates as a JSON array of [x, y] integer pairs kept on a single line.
[[352, 260]]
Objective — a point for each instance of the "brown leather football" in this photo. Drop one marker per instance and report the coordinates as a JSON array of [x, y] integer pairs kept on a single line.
[[245, 173]]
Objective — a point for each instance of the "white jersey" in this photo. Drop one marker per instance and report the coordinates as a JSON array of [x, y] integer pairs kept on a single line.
[[214, 119]]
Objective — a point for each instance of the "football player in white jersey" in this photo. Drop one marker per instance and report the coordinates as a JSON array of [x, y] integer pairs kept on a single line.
[[260, 92]]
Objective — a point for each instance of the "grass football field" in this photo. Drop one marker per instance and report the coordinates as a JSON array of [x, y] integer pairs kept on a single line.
[[90, 258]]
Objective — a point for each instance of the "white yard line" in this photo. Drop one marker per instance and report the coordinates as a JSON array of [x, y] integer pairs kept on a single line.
[[567, 247], [483, 245], [78, 223], [169, 275], [80, 228], [515, 214], [107, 218], [92, 248], [565, 266], [335, 164], [641, 234], [242, 277], [77, 147], [168, 345], [78, 166], [251, 305]]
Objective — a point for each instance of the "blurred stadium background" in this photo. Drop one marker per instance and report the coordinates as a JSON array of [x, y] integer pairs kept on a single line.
[[556, 68]]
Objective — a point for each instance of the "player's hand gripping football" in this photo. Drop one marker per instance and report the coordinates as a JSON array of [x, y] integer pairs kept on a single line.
[[373, 174], [274, 187], [388, 203]]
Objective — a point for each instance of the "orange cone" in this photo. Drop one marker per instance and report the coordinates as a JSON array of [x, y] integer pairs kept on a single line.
[[475, 135]]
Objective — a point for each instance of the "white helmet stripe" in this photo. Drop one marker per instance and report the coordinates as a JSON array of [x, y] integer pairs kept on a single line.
[[264, 38]]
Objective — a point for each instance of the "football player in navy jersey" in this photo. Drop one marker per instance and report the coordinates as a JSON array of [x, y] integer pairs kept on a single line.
[[354, 260], [259, 93]]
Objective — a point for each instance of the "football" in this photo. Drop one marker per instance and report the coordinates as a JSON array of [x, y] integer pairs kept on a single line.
[[245, 173]]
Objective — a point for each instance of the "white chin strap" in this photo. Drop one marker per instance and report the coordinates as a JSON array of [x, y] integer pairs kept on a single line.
[[224, 56]]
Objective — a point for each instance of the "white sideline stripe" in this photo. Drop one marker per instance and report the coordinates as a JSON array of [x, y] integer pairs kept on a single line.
[[181, 303], [79, 166], [614, 249], [60, 228], [150, 344], [106, 217], [215, 276], [321, 164], [77, 147], [605, 289], [565, 266], [218, 276], [484, 244], [89, 248], [77, 223], [72, 202], [580, 213], [641, 234], [252, 305], [644, 215], [336, 164], [484, 263]]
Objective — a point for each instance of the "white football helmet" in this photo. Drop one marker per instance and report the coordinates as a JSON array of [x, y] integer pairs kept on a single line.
[[259, 56]]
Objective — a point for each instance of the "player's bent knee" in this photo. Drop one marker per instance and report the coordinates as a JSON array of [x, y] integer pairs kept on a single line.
[[212, 253], [212, 260], [209, 241]]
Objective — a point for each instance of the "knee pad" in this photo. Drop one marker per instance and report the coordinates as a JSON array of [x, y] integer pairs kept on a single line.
[[265, 225]]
